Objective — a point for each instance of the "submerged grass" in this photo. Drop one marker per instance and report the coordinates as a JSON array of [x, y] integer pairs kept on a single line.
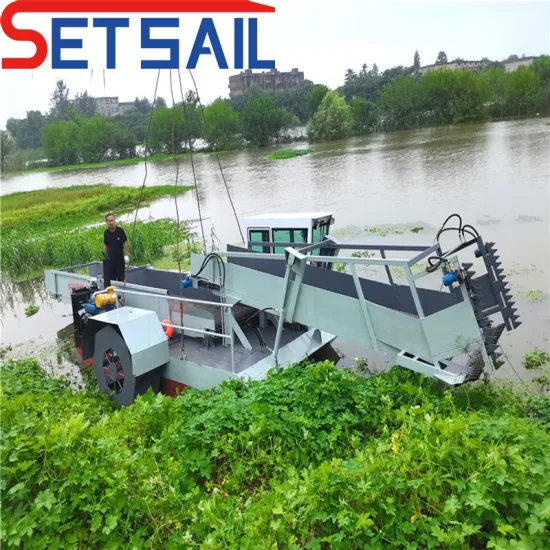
[[289, 154], [69, 207], [312, 457]]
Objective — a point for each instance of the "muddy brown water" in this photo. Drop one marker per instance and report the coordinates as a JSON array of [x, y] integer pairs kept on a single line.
[[495, 175]]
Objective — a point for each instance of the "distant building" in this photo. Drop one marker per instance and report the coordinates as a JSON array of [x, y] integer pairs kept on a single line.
[[454, 66], [107, 106], [126, 106], [514, 64], [110, 106], [271, 80], [509, 65]]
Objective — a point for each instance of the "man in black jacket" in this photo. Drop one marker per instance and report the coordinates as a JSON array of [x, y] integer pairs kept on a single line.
[[115, 248]]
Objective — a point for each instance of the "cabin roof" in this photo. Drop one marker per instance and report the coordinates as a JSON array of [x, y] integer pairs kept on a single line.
[[290, 215]]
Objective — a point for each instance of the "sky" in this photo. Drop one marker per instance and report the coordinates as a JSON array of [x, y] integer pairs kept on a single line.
[[321, 38]]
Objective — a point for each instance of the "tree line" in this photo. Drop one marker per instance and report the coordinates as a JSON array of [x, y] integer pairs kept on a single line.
[[368, 101]]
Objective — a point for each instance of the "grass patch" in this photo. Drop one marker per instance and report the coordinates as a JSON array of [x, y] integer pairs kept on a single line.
[[393, 230], [311, 457], [536, 359], [31, 310], [57, 209], [289, 154], [532, 296]]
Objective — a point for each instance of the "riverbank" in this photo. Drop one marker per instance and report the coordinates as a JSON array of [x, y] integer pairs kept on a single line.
[[53, 228], [108, 163]]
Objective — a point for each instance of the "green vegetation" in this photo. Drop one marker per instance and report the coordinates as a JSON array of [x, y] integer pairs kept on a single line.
[[68, 207], [532, 295], [47, 228], [288, 154], [536, 359], [32, 253], [31, 310], [91, 165], [312, 457], [333, 119], [368, 101]]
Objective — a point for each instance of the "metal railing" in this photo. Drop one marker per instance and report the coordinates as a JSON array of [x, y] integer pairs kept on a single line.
[[221, 305]]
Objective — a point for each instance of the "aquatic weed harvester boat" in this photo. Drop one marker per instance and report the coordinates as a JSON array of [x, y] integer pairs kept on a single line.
[[277, 301]]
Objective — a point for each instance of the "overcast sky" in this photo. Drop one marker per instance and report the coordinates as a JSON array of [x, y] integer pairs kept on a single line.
[[319, 37]]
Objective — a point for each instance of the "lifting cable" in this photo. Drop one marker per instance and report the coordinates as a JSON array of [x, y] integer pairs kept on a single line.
[[218, 159], [177, 209], [145, 158], [184, 107]]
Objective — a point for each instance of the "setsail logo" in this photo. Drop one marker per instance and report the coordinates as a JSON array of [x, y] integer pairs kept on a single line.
[[205, 37]]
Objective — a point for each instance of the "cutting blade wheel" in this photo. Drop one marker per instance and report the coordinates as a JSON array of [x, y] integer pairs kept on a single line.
[[113, 369]]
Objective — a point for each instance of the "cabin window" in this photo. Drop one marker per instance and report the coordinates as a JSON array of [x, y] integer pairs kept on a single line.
[[259, 236], [320, 232], [287, 236]]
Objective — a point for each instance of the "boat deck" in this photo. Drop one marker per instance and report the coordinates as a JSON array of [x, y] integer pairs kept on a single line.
[[219, 357]]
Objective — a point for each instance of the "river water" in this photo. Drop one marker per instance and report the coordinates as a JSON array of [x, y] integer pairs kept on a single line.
[[495, 175]]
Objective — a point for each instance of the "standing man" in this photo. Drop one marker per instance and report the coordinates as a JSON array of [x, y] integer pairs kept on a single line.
[[115, 241]]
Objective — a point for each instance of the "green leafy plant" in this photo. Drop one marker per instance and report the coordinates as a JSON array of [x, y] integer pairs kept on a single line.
[[311, 457], [536, 359], [31, 310]]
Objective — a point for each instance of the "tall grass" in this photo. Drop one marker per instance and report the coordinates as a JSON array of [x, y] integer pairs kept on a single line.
[[32, 252], [57, 209]]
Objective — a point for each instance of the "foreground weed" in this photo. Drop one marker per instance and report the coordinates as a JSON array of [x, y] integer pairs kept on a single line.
[[311, 457]]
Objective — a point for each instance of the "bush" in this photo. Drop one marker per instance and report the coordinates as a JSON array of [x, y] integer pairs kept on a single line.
[[312, 457]]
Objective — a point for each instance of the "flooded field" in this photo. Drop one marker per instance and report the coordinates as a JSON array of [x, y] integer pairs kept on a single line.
[[495, 175]]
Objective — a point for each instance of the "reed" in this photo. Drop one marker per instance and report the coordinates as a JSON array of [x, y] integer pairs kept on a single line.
[[29, 254]]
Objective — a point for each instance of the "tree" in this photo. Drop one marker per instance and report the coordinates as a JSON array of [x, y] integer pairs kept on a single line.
[[27, 132], [295, 100], [60, 102], [261, 121], [160, 136], [498, 84], [84, 105], [61, 143], [94, 138], [523, 90], [6, 147], [143, 106], [123, 142], [400, 103], [315, 97], [192, 119], [365, 115], [333, 119], [541, 67], [416, 62], [221, 127], [441, 58]]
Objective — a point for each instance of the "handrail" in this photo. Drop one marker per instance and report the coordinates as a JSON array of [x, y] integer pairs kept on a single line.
[[177, 299]]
